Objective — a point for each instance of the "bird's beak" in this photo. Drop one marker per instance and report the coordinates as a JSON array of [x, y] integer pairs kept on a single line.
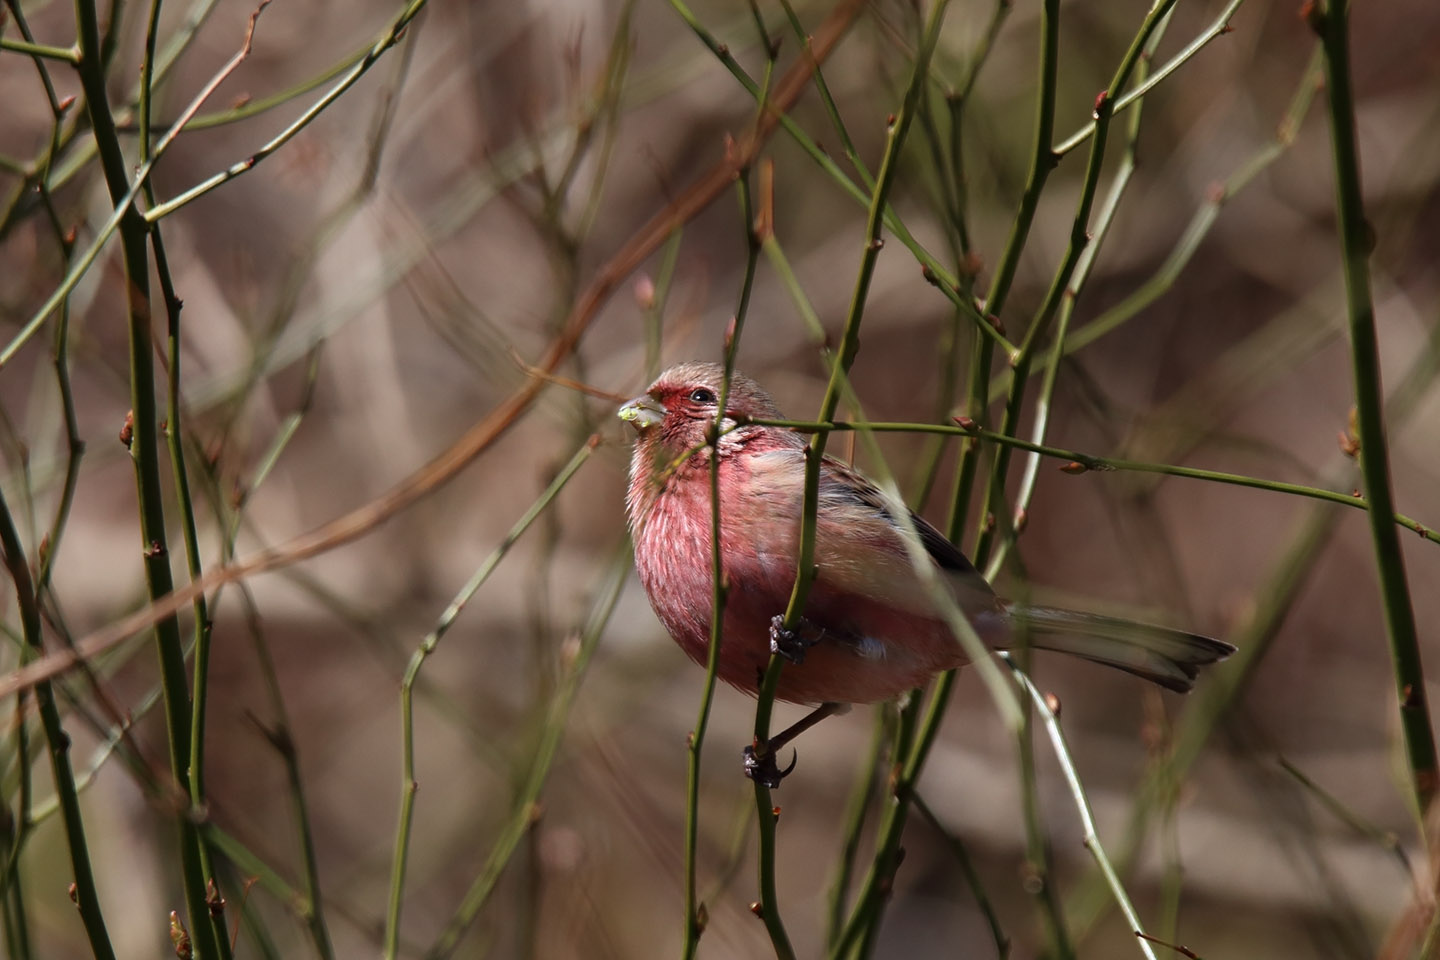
[[642, 412]]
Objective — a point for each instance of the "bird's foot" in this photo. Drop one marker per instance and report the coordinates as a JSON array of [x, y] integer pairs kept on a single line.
[[792, 644], [760, 765]]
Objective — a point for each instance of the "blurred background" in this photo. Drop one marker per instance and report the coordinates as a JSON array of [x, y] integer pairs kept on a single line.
[[359, 299]]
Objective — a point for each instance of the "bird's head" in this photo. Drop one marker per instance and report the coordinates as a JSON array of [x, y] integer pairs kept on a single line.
[[675, 414]]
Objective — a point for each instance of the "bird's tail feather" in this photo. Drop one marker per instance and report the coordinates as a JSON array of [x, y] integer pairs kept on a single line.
[[1171, 658]]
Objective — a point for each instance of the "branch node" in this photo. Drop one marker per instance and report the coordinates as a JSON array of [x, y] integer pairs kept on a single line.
[[1103, 106]]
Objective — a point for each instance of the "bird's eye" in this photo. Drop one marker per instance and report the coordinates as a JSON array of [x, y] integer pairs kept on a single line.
[[702, 395]]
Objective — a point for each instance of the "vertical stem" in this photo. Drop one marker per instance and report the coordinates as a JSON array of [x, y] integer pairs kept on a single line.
[[144, 451], [12, 841], [1039, 861], [1118, 185], [1042, 160], [1357, 240], [844, 356], [526, 810], [856, 810], [87, 898], [278, 733], [694, 909], [769, 903], [1079, 239], [1082, 806], [972, 877], [176, 450], [850, 336], [408, 782]]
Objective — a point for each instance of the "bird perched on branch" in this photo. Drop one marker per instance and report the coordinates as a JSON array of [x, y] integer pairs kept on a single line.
[[870, 629]]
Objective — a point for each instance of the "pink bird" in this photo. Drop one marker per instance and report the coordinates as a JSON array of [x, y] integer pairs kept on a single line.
[[870, 630]]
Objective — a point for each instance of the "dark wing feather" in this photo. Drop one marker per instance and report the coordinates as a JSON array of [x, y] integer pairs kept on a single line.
[[855, 486], [946, 554]]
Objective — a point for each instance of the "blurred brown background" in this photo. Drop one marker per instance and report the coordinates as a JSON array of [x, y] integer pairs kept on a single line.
[[408, 295]]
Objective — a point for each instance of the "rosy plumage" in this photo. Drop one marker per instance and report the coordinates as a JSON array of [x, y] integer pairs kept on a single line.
[[871, 630]]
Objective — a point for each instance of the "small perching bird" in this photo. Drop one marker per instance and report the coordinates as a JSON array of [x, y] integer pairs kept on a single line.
[[871, 629]]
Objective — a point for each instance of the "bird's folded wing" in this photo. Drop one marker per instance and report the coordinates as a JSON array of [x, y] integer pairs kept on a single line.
[[860, 548]]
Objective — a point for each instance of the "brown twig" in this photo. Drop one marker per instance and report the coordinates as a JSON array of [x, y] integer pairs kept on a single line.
[[569, 383], [1184, 951]]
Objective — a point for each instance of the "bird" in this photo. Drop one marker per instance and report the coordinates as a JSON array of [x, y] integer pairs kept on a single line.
[[870, 629]]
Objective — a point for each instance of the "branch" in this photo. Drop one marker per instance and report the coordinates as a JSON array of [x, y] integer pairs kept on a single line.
[[1357, 239]]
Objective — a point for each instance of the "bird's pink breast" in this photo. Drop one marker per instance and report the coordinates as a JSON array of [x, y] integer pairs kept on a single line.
[[899, 650]]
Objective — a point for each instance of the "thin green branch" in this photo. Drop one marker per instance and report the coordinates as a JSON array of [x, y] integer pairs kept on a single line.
[[869, 905], [957, 848], [391, 36], [1200, 224], [1382, 838], [14, 832], [68, 55], [956, 100], [1039, 867], [1082, 805], [863, 923], [1078, 462], [844, 357], [917, 734], [694, 924], [202, 628], [857, 808], [981, 54], [934, 270], [75, 446], [147, 83], [1042, 160], [815, 452], [849, 338], [250, 865], [253, 108], [86, 895], [409, 783], [947, 155], [1357, 239], [1255, 635], [1218, 28], [1071, 296], [12, 906], [144, 450], [1079, 239], [831, 109], [277, 732], [527, 802], [113, 164]]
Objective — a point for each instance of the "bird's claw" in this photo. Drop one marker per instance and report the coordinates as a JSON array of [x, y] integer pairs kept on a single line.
[[789, 644], [760, 766]]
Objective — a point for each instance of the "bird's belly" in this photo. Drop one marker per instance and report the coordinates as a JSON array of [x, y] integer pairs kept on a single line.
[[871, 652]]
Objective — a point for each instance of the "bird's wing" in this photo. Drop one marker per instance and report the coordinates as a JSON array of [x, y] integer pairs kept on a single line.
[[860, 548]]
